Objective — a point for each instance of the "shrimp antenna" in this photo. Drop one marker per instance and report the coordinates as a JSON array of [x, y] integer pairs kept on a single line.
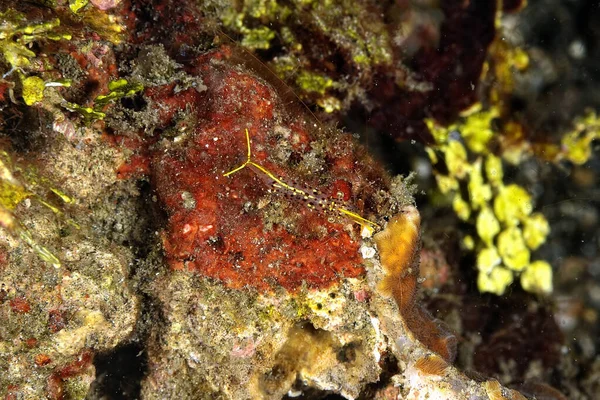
[[269, 174], [248, 161]]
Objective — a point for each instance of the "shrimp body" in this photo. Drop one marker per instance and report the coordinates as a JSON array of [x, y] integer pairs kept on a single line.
[[312, 198]]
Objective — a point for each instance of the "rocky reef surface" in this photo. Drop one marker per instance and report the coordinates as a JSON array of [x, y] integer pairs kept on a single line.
[[268, 200]]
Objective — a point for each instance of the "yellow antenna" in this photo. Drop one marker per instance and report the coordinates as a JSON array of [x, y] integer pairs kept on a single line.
[[248, 161], [368, 226], [263, 170]]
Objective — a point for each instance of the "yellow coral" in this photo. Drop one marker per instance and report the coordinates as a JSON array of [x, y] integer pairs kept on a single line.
[[105, 24], [76, 5], [456, 159], [259, 38], [496, 281], [537, 278], [468, 242], [487, 259], [502, 214], [520, 59], [576, 144], [262, 8], [117, 89], [494, 170], [461, 207], [512, 249], [17, 32], [446, 184], [487, 226], [12, 191], [439, 133], [477, 129], [17, 55], [536, 230], [431, 154], [479, 192], [512, 204], [329, 104], [504, 62]]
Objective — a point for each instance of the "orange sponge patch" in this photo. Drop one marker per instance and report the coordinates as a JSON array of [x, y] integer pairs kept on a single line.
[[398, 245]]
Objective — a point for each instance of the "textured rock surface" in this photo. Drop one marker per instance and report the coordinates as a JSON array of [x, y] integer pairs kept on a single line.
[[56, 318], [119, 120]]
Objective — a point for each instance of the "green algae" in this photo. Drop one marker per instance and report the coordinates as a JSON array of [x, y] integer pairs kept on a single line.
[[17, 32], [76, 5], [355, 29], [313, 83], [259, 38], [16, 185], [118, 89]]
